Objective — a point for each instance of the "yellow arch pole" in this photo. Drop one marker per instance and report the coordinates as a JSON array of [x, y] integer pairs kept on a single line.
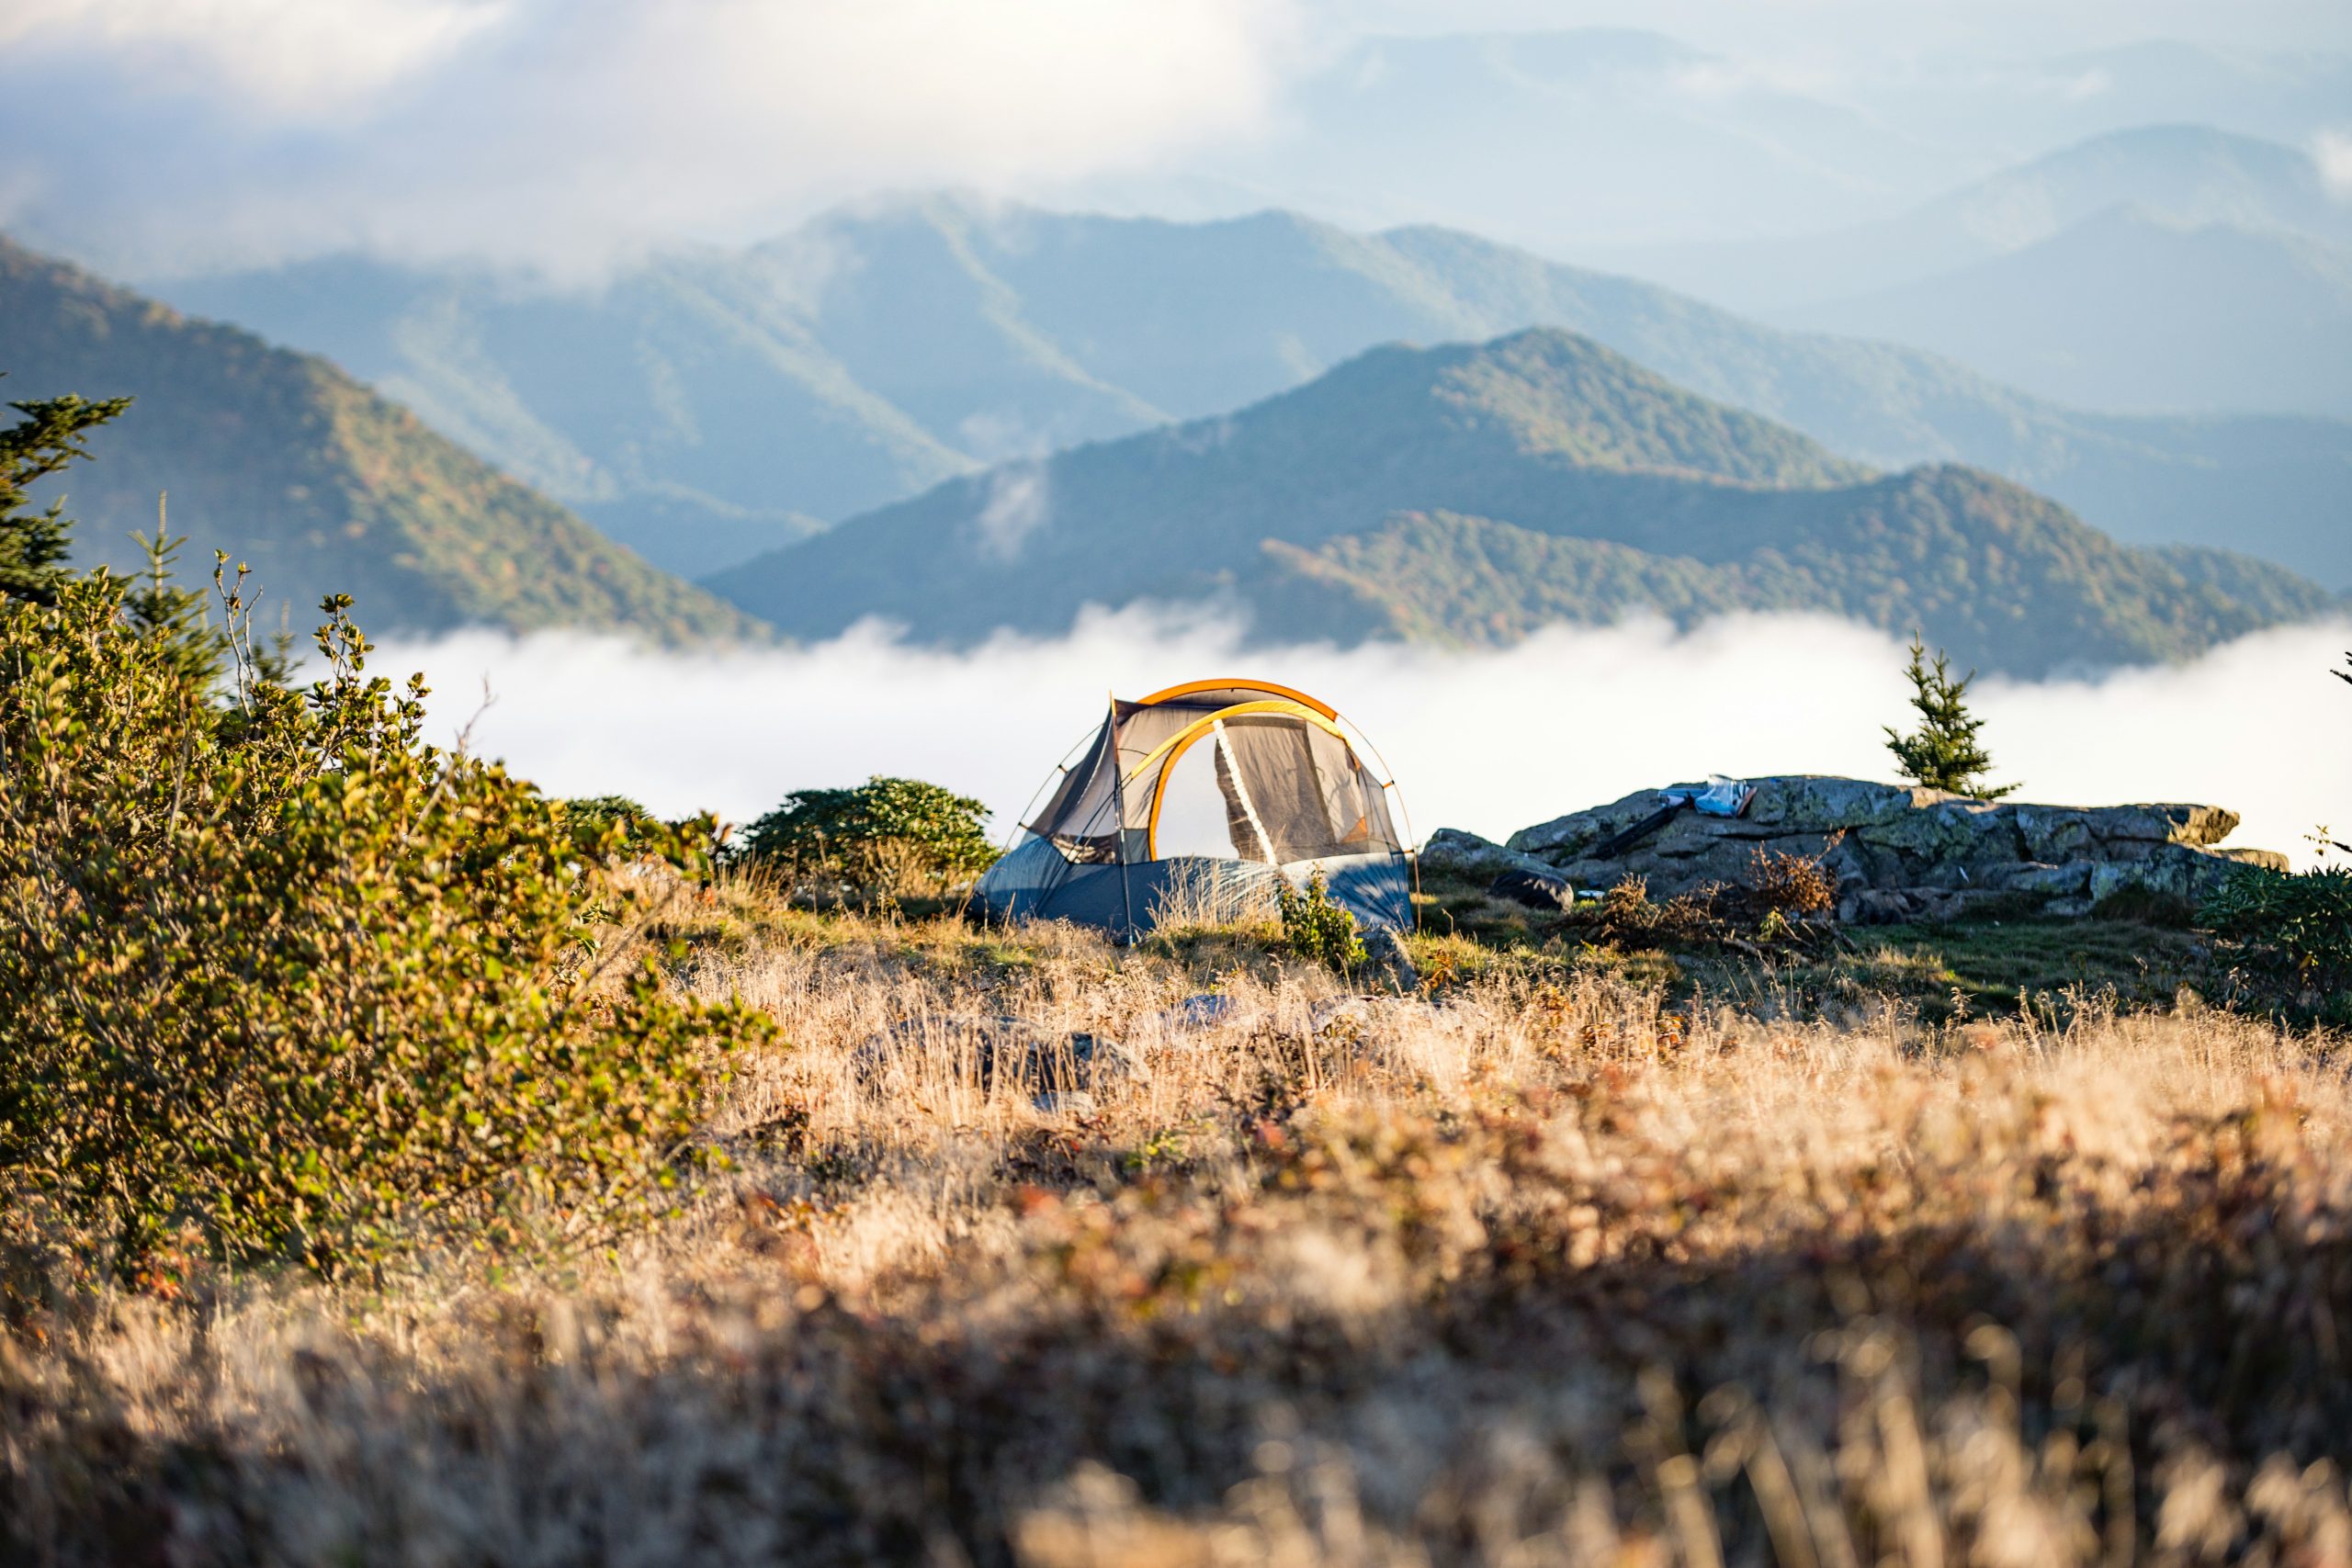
[[1191, 688]]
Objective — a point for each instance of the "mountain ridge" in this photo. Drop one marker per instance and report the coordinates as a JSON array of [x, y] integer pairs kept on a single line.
[[784, 395], [288, 463], [1637, 495], [2188, 175], [2250, 320]]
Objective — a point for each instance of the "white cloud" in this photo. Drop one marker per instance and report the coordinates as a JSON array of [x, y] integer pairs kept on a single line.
[[174, 134], [1019, 504], [1489, 741], [2094, 83], [2332, 152], [299, 58]]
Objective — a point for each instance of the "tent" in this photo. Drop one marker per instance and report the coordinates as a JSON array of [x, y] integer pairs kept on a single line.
[[1209, 794]]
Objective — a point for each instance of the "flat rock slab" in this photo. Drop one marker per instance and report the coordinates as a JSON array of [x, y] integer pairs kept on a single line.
[[1918, 853]]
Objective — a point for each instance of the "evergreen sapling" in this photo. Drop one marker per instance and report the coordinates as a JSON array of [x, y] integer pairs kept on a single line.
[[1944, 752], [34, 545]]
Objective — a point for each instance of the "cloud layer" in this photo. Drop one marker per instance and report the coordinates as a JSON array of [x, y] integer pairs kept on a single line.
[[1489, 742], [151, 137], [181, 134]]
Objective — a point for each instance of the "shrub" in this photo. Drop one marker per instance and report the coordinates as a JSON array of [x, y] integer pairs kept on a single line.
[[305, 988], [2298, 926], [1319, 930], [1627, 915], [1782, 883], [275, 976], [890, 836], [589, 815]]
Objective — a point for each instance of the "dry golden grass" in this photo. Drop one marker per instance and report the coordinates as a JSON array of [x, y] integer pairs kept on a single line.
[[1532, 1272]]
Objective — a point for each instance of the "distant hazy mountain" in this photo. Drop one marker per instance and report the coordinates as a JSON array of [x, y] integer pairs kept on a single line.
[[704, 408], [1570, 138], [1470, 493], [2127, 310], [288, 464], [2186, 176], [2029, 105], [1581, 142]]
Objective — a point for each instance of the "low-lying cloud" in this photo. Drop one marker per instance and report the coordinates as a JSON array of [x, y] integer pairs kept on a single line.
[[1491, 741], [1020, 502]]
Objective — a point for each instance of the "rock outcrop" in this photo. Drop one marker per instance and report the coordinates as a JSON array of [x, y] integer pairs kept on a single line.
[[1898, 853], [1453, 852]]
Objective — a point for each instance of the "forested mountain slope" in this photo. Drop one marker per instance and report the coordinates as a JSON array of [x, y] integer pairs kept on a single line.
[[706, 406], [289, 465], [1469, 493]]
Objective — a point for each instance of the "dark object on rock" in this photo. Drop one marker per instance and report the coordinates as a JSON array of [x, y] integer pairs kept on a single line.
[[1876, 907], [1536, 889], [1617, 844]]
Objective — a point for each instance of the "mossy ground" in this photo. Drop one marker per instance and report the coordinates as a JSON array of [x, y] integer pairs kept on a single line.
[[1943, 972]]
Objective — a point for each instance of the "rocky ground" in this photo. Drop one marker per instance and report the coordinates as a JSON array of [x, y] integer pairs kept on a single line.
[[1898, 854]]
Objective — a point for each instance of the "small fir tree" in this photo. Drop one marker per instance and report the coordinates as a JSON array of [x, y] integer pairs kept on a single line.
[[157, 606], [1943, 753], [34, 545]]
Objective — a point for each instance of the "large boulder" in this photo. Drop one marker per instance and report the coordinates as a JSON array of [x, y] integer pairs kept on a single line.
[[1452, 851], [1899, 851]]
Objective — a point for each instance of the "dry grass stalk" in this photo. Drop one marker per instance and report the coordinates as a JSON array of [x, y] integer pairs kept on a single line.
[[1201, 895]]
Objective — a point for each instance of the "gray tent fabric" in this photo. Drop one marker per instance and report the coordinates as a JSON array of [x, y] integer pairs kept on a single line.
[[1290, 789]]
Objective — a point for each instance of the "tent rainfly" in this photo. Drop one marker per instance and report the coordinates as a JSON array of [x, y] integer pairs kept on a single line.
[[1207, 793]]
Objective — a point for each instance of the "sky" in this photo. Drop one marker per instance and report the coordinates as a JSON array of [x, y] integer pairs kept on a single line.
[[154, 137]]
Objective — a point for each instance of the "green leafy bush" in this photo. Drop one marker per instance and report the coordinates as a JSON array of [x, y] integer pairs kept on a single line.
[[890, 836], [589, 815], [2299, 926], [1315, 928], [277, 980]]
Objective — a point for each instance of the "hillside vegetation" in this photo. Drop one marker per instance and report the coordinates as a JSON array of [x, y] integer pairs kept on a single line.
[[1533, 1269], [699, 406], [2014, 575], [289, 465], [1345, 508]]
